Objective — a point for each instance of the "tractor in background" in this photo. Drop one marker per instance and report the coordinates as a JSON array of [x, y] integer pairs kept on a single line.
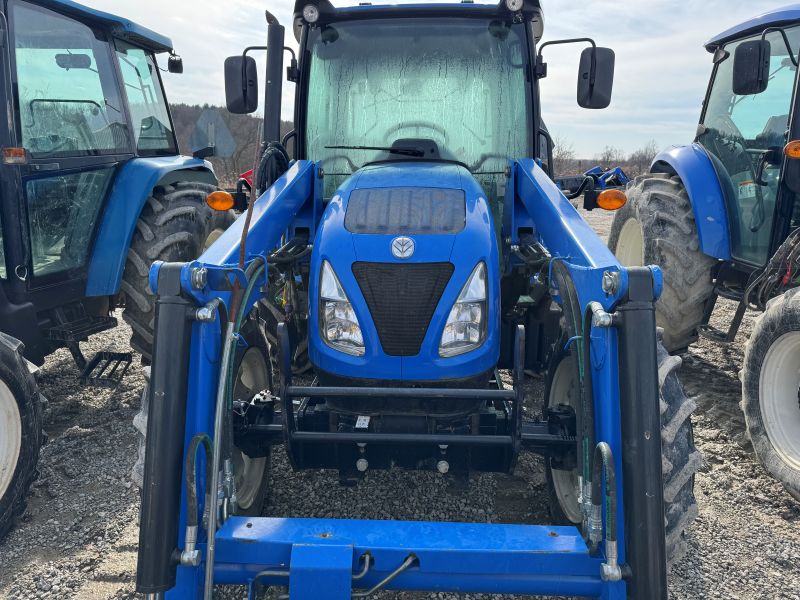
[[602, 179], [94, 190], [419, 245], [722, 218]]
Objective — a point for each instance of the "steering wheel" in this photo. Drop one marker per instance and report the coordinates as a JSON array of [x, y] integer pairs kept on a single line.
[[408, 124], [353, 166]]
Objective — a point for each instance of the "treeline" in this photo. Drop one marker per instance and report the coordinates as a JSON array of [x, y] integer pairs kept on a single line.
[[634, 164], [245, 130]]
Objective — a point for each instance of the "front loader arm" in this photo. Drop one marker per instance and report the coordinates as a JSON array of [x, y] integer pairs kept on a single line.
[[622, 360]]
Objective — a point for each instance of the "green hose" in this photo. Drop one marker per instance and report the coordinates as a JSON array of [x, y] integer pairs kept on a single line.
[[229, 368]]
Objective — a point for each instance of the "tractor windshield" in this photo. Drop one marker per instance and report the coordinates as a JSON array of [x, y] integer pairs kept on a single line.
[[459, 82], [747, 135]]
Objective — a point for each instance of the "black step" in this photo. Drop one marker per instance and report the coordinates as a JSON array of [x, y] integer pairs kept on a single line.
[[80, 330], [106, 369]]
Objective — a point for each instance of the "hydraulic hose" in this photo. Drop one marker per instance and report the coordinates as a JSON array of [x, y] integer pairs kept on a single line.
[[224, 406], [603, 462], [191, 483], [586, 421], [274, 162]]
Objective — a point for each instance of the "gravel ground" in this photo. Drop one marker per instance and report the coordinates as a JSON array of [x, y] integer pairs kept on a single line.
[[78, 537]]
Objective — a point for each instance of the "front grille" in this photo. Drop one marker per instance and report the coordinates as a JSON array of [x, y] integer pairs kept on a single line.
[[401, 299]]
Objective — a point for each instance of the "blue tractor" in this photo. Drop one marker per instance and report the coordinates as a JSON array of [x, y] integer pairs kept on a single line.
[[722, 218], [416, 245], [94, 191]]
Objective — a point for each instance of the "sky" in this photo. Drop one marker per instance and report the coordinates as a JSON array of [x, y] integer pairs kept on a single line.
[[662, 69]]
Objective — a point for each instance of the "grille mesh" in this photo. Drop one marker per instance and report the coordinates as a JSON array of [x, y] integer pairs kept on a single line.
[[406, 211], [402, 299]]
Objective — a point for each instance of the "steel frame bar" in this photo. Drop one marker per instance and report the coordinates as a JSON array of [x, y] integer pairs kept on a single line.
[[452, 557]]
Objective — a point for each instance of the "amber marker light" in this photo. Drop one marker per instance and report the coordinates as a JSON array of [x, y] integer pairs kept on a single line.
[[612, 199], [792, 149], [15, 156], [220, 200]]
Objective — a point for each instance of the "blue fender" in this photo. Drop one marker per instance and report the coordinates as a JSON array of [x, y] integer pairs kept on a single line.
[[693, 165], [133, 185]]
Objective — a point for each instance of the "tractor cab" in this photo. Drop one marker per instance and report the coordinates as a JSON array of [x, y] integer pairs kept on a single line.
[[84, 97], [747, 122]]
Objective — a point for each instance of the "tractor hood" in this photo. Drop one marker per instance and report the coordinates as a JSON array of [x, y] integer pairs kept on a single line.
[[403, 239]]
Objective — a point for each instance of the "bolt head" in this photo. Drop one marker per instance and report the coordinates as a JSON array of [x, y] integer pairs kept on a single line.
[[199, 278], [610, 282], [443, 467], [362, 465]]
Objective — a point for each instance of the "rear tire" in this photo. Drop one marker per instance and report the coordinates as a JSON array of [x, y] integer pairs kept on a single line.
[[21, 435], [770, 394], [680, 460], [657, 227], [176, 225]]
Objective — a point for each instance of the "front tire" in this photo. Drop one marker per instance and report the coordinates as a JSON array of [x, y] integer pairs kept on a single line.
[[252, 374], [680, 460], [657, 227], [176, 225], [771, 390], [21, 435]]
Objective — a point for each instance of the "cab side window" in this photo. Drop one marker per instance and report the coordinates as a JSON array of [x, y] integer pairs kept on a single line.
[[152, 127], [69, 103]]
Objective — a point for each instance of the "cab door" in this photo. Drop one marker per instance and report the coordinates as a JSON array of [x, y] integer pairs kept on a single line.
[[71, 119], [744, 133]]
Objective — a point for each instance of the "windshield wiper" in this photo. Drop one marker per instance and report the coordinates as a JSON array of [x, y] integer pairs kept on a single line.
[[403, 150]]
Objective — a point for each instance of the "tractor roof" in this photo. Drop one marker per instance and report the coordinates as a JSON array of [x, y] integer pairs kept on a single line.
[[121, 27], [329, 12], [787, 15]]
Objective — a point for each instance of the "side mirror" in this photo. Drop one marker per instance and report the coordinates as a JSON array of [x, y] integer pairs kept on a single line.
[[751, 67], [596, 78], [241, 84], [175, 65]]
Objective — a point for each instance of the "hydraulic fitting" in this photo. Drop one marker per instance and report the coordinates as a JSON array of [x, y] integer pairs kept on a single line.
[[207, 313], [600, 318], [190, 557], [595, 526], [610, 570]]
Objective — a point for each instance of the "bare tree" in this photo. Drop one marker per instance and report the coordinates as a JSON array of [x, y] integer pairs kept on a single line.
[[563, 156], [641, 159], [611, 156]]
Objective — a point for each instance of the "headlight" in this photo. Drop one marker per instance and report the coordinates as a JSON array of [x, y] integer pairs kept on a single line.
[[466, 326], [338, 322]]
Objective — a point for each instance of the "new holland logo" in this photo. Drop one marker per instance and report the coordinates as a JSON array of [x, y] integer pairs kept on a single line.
[[403, 247]]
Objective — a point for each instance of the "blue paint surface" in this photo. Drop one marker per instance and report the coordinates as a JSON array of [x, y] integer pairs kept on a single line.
[[784, 16], [121, 27], [476, 243], [133, 185], [696, 171]]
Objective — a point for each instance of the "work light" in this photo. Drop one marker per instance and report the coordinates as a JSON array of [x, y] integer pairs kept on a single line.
[[338, 321], [465, 329], [311, 13]]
